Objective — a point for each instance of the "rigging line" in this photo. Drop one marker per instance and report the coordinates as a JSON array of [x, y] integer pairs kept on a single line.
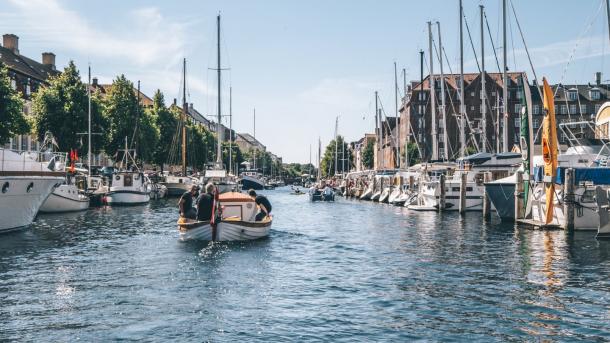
[[493, 47], [587, 28], [529, 57], [471, 43], [512, 43]]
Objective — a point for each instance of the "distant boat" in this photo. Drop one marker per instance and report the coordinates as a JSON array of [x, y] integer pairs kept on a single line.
[[25, 184], [67, 197], [128, 187]]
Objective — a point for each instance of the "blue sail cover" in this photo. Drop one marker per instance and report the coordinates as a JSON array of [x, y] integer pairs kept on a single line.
[[598, 176]]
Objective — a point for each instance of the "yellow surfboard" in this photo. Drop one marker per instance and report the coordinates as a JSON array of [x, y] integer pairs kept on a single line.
[[549, 148]]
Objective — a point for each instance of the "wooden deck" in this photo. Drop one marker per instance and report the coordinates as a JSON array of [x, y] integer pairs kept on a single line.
[[535, 224]]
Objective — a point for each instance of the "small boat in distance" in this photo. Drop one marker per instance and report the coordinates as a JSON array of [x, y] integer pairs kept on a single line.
[[128, 187]]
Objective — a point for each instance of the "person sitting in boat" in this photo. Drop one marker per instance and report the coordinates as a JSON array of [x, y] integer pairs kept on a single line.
[[263, 203], [186, 203], [205, 203]]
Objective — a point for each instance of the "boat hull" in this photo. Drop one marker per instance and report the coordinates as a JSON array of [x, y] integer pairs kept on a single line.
[[18, 207], [502, 196], [65, 199], [251, 183], [226, 231], [126, 198], [176, 189]]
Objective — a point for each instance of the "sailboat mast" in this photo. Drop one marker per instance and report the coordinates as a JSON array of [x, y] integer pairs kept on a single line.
[[432, 82], [319, 158], [504, 83], [608, 15], [483, 91], [444, 112], [230, 129], [397, 138], [377, 129], [218, 71], [89, 121], [183, 117], [336, 142], [255, 148], [462, 107]]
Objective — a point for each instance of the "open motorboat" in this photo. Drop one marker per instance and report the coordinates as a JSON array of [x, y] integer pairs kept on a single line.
[[220, 178], [252, 179], [67, 197], [322, 193], [177, 184], [25, 183], [236, 221], [128, 188]]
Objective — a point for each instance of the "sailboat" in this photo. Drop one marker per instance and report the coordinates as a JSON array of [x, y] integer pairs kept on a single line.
[[217, 174], [177, 184], [67, 197], [250, 177]]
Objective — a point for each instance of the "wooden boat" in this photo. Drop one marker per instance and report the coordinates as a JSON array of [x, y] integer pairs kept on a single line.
[[235, 221]]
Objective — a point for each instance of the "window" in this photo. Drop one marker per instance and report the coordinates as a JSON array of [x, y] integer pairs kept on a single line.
[[518, 94], [536, 123], [594, 94], [422, 96], [535, 109], [517, 122], [14, 84], [573, 109], [24, 143], [472, 94], [472, 108], [563, 109], [597, 107], [419, 137], [441, 152], [518, 108], [493, 93], [583, 108], [572, 95], [440, 124]]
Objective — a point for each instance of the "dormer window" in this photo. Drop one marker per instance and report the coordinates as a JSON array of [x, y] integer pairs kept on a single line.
[[594, 93], [14, 84], [572, 94]]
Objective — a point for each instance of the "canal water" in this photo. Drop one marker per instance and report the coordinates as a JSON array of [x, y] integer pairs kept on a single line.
[[344, 271]]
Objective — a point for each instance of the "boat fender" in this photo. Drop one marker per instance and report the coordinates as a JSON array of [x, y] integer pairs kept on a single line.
[[5, 187], [117, 178]]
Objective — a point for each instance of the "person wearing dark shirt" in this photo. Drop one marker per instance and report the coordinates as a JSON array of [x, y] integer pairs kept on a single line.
[[205, 203], [186, 204], [263, 203]]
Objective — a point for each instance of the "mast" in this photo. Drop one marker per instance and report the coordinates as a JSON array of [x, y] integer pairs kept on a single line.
[[309, 178], [183, 117], [319, 157], [462, 108], [445, 139], [89, 121], [432, 95], [255, 148], [377, 129], [336, 143], [504, 83], [483, 91], [397, 138], [407, 131], [421, 114], [230, 129], [608, 15], [218, 71]]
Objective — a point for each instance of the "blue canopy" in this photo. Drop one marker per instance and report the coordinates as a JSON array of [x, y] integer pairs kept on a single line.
[[598, 176]]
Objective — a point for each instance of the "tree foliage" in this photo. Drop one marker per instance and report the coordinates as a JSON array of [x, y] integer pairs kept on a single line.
[[200, 146], [62, 109], [328, 160], [126, 116], [413, 154], [12, 119], [237, 156], [167, 123], [368, 155]]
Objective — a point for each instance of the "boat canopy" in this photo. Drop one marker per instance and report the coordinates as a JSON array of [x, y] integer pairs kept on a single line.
[[597, 176]]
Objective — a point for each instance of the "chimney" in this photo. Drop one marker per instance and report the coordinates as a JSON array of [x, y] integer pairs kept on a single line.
[[191, 106], [11, 42], [48, 59], [94, 82], [175, 102], [598, 78]]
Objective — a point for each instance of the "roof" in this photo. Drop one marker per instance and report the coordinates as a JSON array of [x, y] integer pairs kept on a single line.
[[27, 66], [145, 100], [452, 80], [250, 139], [562, 92]]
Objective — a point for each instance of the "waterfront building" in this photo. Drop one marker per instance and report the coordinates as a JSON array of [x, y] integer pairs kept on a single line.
[[573, 103], [27, 75], [247, 142], [358, 148]]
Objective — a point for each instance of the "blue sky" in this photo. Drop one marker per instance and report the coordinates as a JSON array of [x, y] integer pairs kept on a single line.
[[300, 63]]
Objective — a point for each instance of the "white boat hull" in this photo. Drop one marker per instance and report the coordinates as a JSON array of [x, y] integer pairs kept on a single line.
[[226, 231], [65, 198], [18, 207], [127, 198]]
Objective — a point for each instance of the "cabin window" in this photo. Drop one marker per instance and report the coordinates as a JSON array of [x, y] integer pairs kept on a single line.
[[127, 180], [468, 189], [455, 189], [588, 196]]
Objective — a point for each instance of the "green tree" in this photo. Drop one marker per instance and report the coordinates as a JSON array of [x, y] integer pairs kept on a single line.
[[412, 154], [200, 146], [368, 155], [12, 120], [236, 157], [62, 109], [126, 116], [167, 122], [328, 160]]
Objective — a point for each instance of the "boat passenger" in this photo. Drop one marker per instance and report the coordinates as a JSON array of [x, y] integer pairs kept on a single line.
[[205, 203], [263, 203], [186, 203]]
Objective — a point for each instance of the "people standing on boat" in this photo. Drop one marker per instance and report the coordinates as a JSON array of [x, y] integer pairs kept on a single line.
[[186, 203], [263, 203], [205, 203]]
